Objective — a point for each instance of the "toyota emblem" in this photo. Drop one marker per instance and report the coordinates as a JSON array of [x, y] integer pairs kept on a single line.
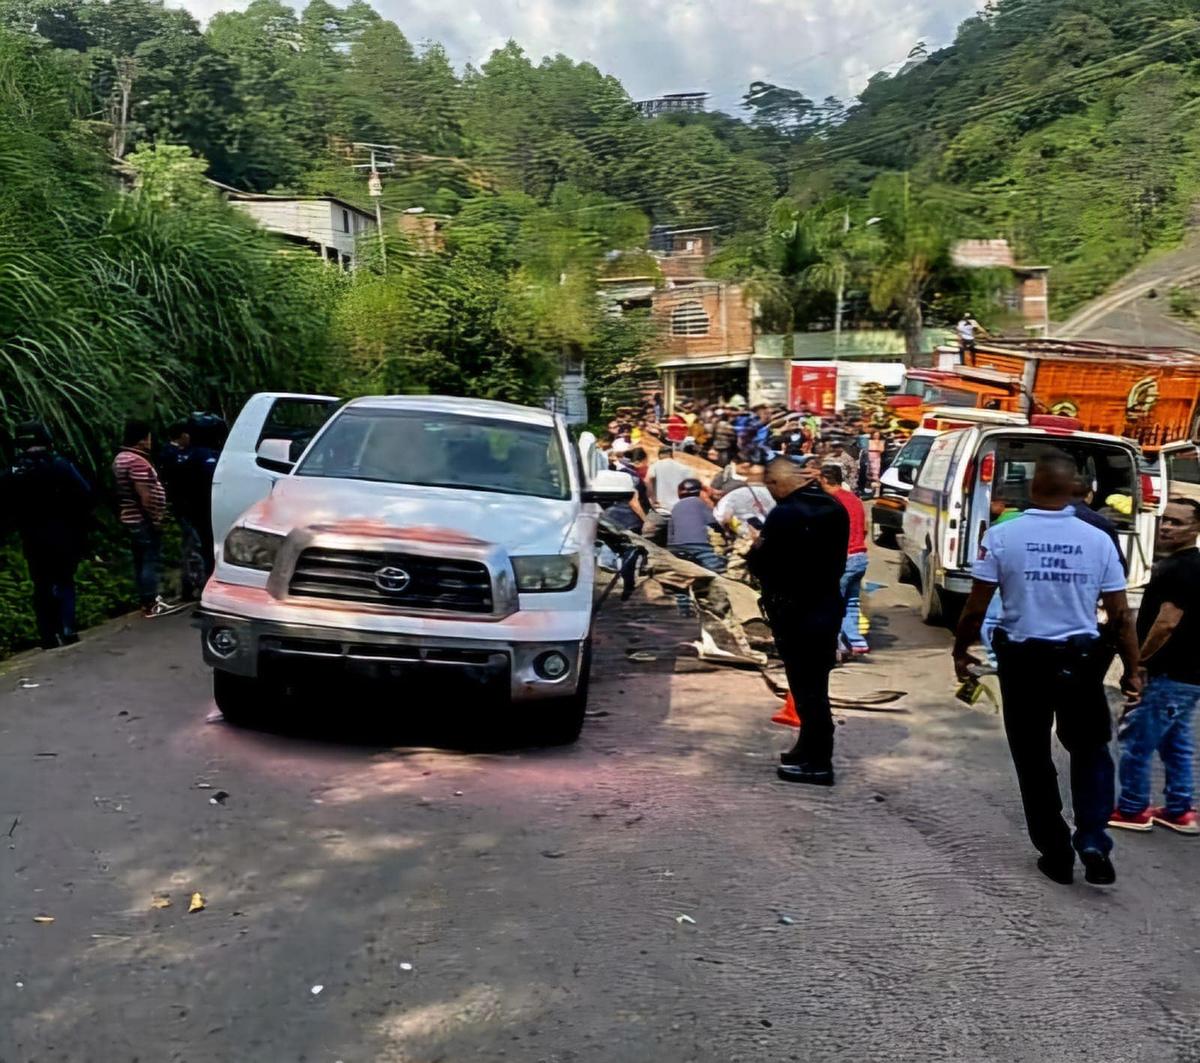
[[392, 580]]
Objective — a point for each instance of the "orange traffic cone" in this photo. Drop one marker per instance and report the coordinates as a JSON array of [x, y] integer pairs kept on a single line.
[[787, 715]]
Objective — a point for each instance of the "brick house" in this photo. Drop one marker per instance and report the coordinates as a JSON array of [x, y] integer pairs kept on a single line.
[[704, 328], [1028, 296]]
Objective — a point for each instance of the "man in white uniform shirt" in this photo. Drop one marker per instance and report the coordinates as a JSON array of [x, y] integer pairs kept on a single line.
[[1051, 569], [744, 506]]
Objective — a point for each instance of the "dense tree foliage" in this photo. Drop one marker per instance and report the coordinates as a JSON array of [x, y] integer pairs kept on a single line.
[[1067, 126]]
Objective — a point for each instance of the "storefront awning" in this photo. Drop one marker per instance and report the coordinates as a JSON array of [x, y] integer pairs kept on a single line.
[[723, 362]]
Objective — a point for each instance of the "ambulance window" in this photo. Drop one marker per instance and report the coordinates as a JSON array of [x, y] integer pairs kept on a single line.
[[936, 470]]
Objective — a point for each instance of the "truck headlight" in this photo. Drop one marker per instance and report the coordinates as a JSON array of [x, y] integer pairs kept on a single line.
[[546, 572], [248, 548]]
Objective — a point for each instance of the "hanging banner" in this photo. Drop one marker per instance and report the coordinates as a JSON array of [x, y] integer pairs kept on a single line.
[[814, 387]]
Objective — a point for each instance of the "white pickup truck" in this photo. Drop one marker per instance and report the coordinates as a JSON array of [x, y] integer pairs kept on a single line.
[[409, 538]]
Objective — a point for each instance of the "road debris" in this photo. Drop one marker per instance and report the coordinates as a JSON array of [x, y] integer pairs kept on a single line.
[[27, 684], [43, 919], [219, 798], [316, 990], [161, 902], [406, 966], [14, 826], [786, 920], [682, 919], [216, 716], [458, 793], [197, 903], [204, 786], [553, 854], [641, 656]]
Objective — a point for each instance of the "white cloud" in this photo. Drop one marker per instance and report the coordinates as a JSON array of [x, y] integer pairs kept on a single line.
[[657, 46]]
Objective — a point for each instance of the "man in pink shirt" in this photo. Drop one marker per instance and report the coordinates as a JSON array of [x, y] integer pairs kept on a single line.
[[832, 481]]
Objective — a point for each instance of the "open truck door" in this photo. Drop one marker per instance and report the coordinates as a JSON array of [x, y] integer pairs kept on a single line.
[[267, 438], [1180, 465]]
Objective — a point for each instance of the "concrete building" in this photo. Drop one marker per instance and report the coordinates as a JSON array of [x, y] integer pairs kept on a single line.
[[329, 226], [673, 103]]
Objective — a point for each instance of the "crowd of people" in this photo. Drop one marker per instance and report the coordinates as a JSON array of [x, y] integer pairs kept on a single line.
[[52, 505], [734, 432], [700, 483]]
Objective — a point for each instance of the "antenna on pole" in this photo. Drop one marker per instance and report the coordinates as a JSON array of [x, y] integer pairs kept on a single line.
[[381, 158]]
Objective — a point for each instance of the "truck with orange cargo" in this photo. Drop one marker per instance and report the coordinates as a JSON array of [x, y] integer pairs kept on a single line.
[[1147, 394]]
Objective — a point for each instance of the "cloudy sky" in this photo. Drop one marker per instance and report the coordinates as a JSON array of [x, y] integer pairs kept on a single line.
[[656, 46]]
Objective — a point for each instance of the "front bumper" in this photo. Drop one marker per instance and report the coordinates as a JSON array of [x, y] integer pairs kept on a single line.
[[290, 649]]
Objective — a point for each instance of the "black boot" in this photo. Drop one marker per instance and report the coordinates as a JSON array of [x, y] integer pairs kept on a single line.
[[808, 773]]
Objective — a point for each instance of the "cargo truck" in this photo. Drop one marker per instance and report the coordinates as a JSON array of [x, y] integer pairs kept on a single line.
[[1146, 394]]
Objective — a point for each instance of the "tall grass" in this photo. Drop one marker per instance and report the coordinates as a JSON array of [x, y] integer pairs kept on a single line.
[[112, 305]]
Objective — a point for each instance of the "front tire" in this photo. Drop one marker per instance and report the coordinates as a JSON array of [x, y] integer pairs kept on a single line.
[[559, 721], [243, 700], [933, 605]]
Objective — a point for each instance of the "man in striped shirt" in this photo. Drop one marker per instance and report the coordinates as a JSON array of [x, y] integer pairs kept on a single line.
[[143, 504]]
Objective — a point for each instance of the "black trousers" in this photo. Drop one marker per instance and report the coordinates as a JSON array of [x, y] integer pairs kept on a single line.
[[52, 573], [1062, 684], [807, 643]]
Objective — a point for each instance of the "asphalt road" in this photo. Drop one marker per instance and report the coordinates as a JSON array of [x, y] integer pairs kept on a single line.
[[527, 905]]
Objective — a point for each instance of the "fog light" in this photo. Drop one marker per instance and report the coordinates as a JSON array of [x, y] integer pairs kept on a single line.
[[552, 665], [223, 641]]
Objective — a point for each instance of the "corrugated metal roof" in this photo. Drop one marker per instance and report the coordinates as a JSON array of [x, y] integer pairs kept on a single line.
[[1088, 350]]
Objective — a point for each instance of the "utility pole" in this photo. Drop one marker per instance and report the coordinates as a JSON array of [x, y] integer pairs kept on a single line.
[[381, 156], [841, 285], [126, 69]]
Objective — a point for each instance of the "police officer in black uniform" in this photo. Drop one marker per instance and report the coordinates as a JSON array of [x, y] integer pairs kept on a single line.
[[45, 497], [799, 559]]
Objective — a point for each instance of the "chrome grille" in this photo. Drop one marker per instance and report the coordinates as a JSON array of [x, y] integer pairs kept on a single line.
[[435, 584]]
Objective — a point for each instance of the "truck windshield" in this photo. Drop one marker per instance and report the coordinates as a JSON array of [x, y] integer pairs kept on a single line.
[[428, 449]]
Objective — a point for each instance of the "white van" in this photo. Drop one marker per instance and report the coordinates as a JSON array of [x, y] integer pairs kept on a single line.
[[887, 513], [948, 509]]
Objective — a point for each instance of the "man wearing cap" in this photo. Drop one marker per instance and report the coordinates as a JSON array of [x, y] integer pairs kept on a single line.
[[799, 560], [687, 534], [44, 496], [848, 464]]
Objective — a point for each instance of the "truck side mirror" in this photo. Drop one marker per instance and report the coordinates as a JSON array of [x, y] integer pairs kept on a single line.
[[609, 487], [276, 455]]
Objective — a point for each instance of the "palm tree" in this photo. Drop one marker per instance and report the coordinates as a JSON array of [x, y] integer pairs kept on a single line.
[[840, 249], [909, 247]]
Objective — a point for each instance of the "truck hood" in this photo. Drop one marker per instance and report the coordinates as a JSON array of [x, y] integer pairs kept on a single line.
[[518, 523]]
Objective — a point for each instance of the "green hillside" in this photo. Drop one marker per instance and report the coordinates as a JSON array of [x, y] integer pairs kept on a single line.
[[1068, 126]]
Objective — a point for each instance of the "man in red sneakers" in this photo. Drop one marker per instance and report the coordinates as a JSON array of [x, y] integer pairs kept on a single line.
[[1169, 631]]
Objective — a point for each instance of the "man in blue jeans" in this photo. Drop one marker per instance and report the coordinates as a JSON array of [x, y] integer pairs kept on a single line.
[[1169, 630], [833, 484], [687, 535]]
